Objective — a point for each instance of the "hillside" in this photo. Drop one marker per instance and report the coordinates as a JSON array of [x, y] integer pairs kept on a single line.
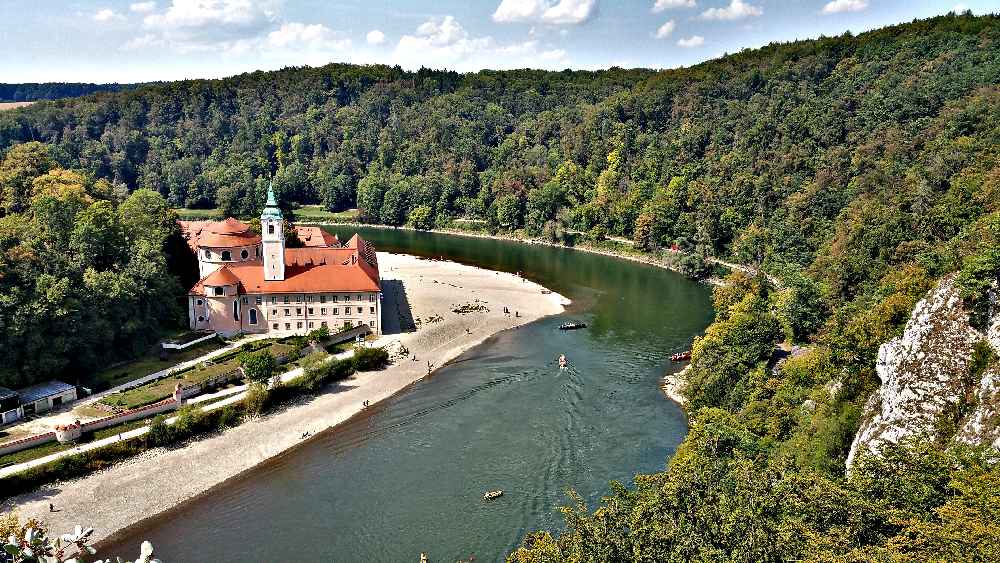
[[860, 171], [34, 91]]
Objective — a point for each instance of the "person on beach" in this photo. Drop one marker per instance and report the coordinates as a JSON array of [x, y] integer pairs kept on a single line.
[[52, 507]]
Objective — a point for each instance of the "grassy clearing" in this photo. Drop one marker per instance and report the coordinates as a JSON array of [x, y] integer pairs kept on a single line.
[[319, 213], [14, 105], [198, 214], [150, 363], [160, 389], [54, 447]]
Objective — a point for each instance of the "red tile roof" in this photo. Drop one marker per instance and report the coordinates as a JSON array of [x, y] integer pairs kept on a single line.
[[307, 270], [222, 276], [228, 233], [314, 237]]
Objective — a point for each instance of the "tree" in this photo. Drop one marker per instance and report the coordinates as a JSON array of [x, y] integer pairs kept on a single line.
[[421, 217], [259, 366], [508, 211]]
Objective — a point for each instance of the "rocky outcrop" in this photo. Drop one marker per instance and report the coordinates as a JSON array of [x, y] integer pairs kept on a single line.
[[925, 375]]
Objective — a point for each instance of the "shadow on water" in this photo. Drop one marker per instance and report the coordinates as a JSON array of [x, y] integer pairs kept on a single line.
[[408, 476]]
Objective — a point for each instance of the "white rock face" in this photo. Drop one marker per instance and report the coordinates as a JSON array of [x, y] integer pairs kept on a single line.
[[924, 372]]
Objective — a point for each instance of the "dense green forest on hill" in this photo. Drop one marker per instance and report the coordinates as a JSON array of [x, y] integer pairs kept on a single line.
[[857, 170], [33, 91]]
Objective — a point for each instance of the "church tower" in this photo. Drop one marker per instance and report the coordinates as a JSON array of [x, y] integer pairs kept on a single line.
[[272, 234]]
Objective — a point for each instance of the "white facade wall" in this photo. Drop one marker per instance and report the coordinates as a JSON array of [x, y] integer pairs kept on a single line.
[[283, 314]]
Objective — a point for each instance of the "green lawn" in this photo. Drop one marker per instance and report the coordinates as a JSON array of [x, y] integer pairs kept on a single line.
[[160, 389], [319, 213], [198, 214], [150, 363], [53, 447]]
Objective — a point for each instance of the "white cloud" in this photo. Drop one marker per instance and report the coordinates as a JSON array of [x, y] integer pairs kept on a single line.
[[689, 42], [959, 8], [661, 5], [106, 15], [375, 37], [838, 6], [666, 29], [309, 36], [561, 12], [443, 42], [232, 26], [142, 7], [736, 10]]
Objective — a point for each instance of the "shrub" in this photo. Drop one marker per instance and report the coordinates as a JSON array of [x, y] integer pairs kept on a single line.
[[256, 399], [370, 359]]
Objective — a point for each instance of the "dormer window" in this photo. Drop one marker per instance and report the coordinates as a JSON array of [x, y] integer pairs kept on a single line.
[[227, 256], [244, 254], [218, 291]]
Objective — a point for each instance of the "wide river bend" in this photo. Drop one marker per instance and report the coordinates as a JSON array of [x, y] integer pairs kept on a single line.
[[407, 476]]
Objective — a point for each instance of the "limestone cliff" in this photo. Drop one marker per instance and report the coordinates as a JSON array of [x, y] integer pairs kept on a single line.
[[925, 377]]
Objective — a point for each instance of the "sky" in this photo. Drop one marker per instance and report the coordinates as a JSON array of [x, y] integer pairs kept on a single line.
[[136, 41]]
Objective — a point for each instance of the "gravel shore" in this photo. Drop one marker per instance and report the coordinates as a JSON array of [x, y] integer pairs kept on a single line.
[[417, 292]]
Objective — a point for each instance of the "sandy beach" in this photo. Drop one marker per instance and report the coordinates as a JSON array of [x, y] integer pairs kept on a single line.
[[417, 292]]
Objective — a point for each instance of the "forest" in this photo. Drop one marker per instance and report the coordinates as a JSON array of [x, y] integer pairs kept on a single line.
[[34, 91], [855, 169]]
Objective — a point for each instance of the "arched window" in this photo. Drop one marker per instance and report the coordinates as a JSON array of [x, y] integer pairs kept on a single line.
[[244, 254], [270, 228], [208, 253], [227, 256], [253, 316], [236, 309]]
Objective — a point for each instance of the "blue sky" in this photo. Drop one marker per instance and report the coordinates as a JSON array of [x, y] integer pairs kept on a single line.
[[129, 40]]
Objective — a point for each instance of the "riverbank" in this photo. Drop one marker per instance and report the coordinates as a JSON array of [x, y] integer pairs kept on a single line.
[[673, 386], [453, 307], [634, 256]]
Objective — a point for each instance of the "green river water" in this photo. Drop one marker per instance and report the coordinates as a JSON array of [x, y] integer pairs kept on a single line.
[[407, 476]]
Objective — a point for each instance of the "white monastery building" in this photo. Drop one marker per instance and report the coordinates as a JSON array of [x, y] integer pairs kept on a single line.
[[252, 283]]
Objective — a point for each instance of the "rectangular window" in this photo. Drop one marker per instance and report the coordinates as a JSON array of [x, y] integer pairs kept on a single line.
[[310, 310], [372, 310], [371, 324], [298, 299], [298, 324], [288, 312], [253, 316], [245, 301], [310, 324], [219, 291], [335, 311], [298, 311], [371, 298], [286, 299], [288, 326], [322, 311], [236, 310], [274, 312], [360, 310], [259, 300], [200, 302], [322, 298], [273, 300], [275, 326], [322, 324], [359, 297], [334, 298]]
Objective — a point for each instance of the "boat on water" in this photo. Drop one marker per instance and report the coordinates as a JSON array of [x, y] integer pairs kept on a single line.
[[681, 356], [575, 325], [490, 495]]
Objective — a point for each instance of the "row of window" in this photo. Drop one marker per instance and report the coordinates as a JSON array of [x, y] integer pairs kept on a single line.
[[322, 311], [227, 255], [286, 299], [300, 325]]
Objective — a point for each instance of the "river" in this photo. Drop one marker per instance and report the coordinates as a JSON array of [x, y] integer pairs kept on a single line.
[[408, 475]]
